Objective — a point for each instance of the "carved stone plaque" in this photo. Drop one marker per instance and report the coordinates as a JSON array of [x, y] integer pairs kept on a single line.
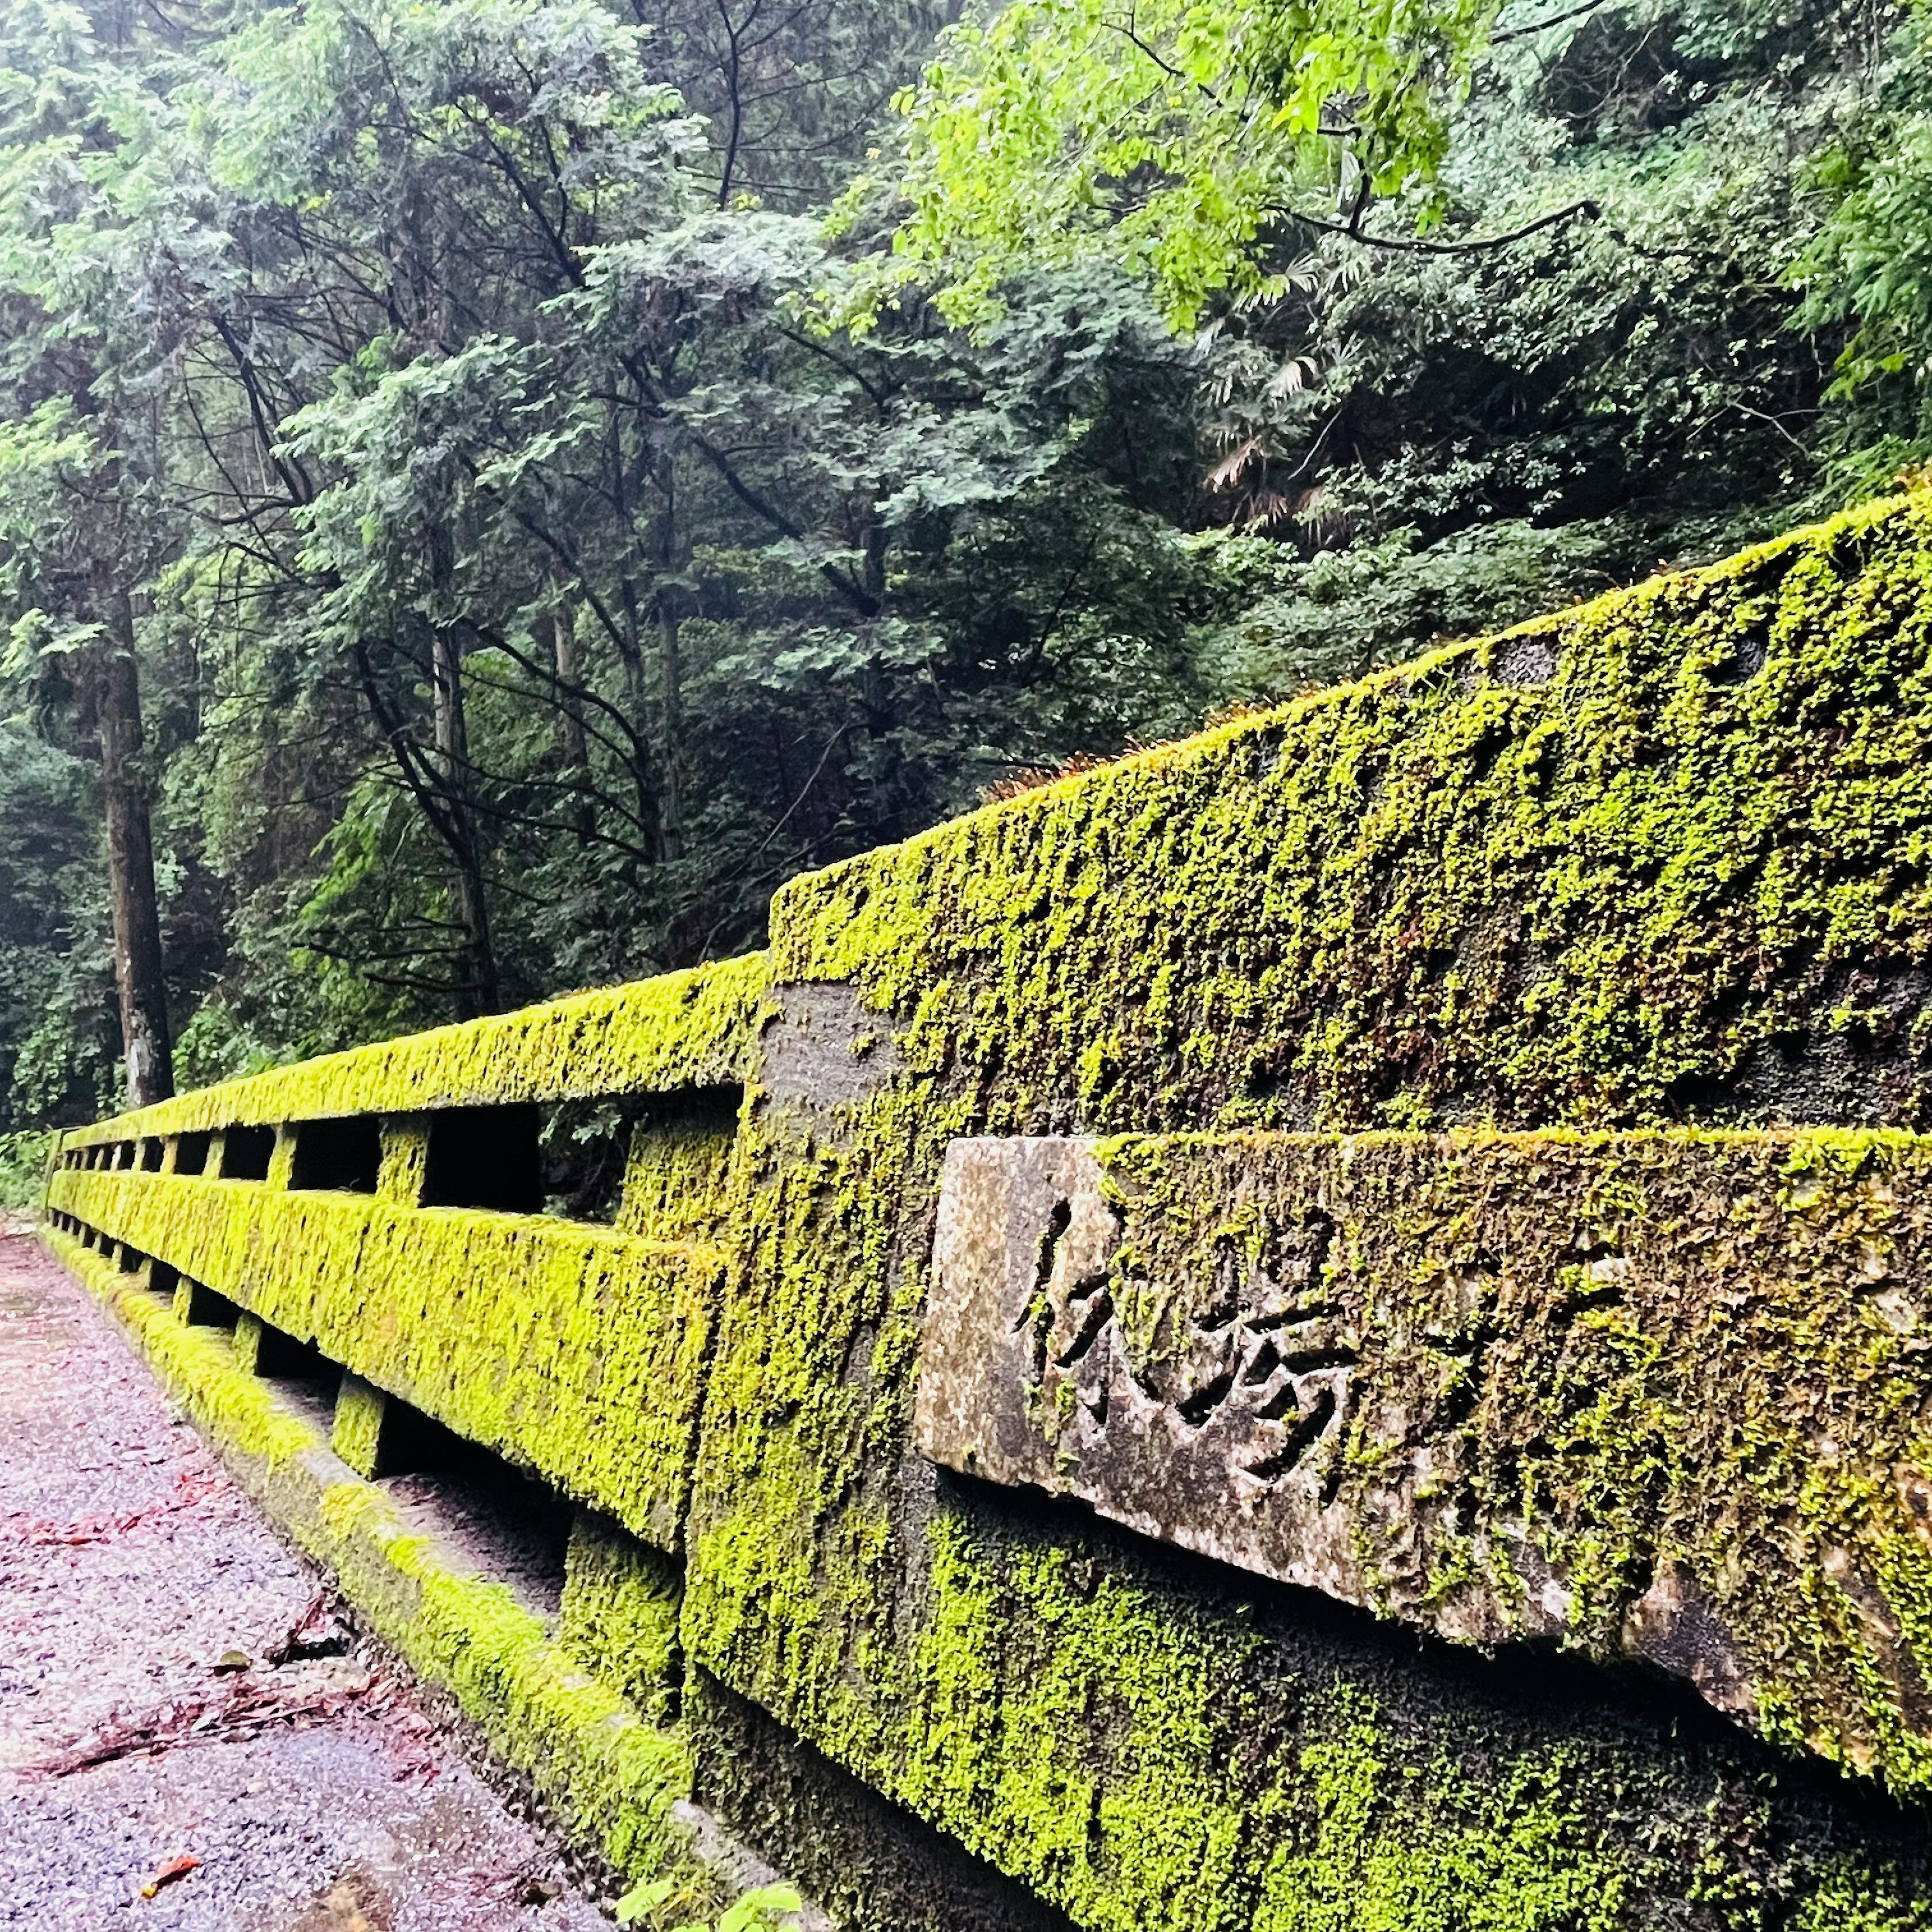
[[1208, 1414]]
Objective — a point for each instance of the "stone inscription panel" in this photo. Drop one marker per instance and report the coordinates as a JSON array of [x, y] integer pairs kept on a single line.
[[1650, 1396], [1221, 1431]]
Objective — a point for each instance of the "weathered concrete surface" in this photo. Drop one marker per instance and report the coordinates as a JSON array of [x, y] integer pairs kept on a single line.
[[317, 1794]]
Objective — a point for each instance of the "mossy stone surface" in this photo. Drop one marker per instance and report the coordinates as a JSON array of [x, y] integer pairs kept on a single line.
[[1660, 862], [620, 1614], [576, 1351]]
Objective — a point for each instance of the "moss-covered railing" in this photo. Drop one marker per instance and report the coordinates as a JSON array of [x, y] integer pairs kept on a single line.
[[1420, 1415]]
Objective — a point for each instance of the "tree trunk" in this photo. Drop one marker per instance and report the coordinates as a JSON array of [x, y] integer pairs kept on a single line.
[[477, 992], [146, 1048], [637, 710], [670, 667], [573, 743], [573, 749], [670, 698]]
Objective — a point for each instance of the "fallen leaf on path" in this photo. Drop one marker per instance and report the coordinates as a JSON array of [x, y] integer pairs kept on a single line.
[[316, 1633], [36, 1530], [245, 1709], [174, 1868], [191, 1486]]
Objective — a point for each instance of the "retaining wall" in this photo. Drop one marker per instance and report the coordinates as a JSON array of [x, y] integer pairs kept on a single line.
[[1324, 1327]]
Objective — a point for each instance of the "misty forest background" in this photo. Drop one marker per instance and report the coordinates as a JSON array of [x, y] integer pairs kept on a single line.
[[490, 489]]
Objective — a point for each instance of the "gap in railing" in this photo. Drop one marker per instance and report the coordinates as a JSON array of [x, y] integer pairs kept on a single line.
[[191, 1152], [152, 1148], [663, 1145], [246, 1153], [303, 1375], [201, 1306], [484, 1157], [341, 1156], [585, 1150], [492, 1516]]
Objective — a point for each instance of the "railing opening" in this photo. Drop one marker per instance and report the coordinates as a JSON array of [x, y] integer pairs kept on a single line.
[[246, 1153], [484, 1157], [665, 1147], [340, 1155], [514, 1528], [151, 1151], [585, 1148], [191, 1153], [280, 1356], [200, 1306]]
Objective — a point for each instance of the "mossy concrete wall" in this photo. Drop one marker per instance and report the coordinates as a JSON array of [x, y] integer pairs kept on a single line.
[[1657, 1398]]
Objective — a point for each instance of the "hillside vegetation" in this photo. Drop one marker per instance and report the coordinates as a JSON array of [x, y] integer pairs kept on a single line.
[[488, 490]]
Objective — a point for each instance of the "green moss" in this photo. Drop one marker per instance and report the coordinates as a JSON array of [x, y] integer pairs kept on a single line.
[[690, 1029], [248, 1344], [678, 1183], [1856, 1896], [1516, 1856], [405, 1143], [612, 1776], [1438, 890], [1683, 878], [1623, 1350], [583, 1362], [357, 1433], [620, 1614]]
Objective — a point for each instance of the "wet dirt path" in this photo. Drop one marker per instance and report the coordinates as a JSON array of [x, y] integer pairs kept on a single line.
[[145, 1719]]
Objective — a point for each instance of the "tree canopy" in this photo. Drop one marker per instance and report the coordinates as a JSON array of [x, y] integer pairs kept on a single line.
[[1182, 137], [490, 488]]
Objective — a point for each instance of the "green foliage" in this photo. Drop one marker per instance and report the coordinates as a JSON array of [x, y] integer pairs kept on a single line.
[[1296, 623], [765, 1906], [1868, 269], [523, 582], [1173, 134], [56, 998], [23, 1167]]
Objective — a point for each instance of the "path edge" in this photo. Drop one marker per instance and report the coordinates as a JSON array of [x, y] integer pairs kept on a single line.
[[614, 1783]]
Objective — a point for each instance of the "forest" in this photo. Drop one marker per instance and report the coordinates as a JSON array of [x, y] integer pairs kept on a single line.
[[490, 488]]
